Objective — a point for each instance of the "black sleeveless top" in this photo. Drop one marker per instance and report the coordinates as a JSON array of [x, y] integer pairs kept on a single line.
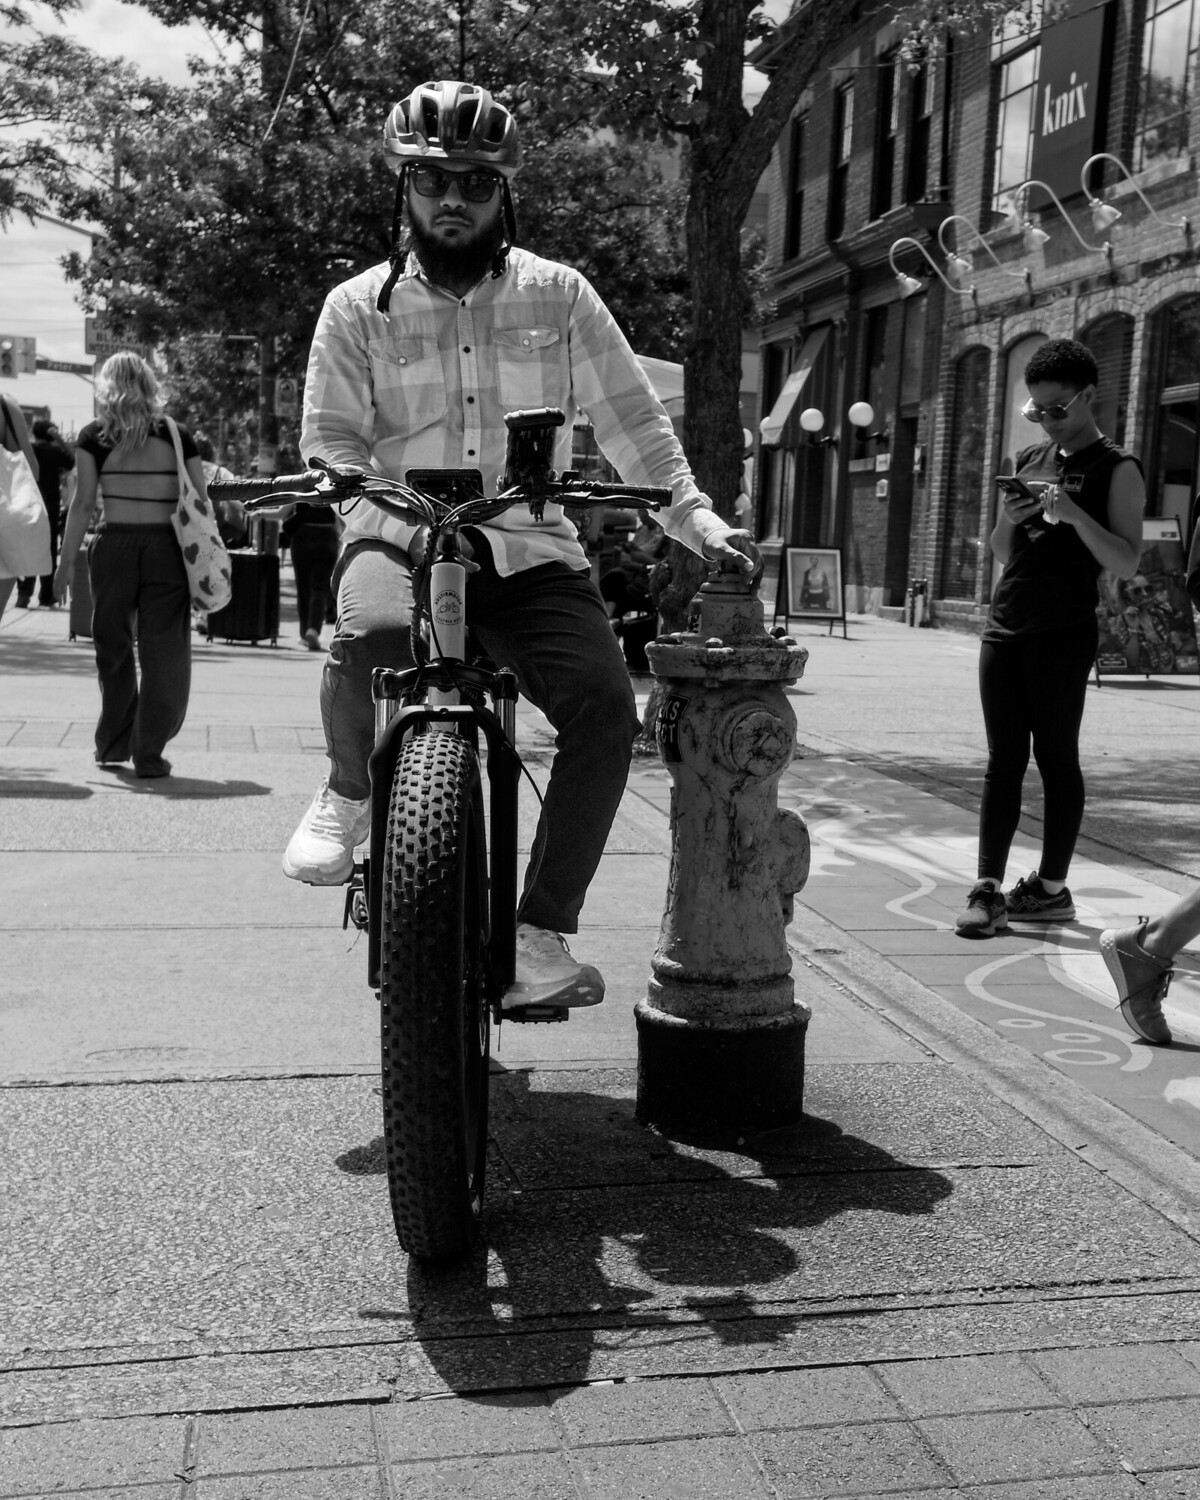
[[1050, 579]]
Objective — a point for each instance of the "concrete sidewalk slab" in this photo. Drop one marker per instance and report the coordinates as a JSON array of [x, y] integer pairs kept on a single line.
[[908, 1293]]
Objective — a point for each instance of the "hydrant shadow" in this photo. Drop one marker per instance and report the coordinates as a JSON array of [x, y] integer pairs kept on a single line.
[[609, 1249]]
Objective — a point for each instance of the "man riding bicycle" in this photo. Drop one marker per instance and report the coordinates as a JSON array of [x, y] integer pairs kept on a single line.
[[414, 364]]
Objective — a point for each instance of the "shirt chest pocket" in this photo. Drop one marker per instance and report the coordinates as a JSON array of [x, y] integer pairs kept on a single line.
[[528, 366], [410, 387]]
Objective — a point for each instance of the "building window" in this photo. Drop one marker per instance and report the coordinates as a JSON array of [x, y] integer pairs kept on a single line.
[[920, 132], [875, 385], [1017, 56], [887, 127], [839, 176], [1174, 409], [1111, 340], [961, 532], [1168, 63], [795, 189]]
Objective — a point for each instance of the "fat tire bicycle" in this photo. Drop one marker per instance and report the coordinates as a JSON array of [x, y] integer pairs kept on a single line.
[[437, 892]]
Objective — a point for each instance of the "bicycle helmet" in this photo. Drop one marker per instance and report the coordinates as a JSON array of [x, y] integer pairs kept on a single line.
[[454, 122]]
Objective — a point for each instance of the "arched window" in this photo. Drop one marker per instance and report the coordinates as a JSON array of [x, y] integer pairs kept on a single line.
[[1173, 404], [1018, 433], [1111, 340], [963, 522]]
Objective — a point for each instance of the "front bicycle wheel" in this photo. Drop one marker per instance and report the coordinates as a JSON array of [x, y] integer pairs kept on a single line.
[[435, 1025]]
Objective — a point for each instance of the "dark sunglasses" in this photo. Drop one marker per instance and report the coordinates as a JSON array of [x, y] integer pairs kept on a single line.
[[432, 182], [1032, 412]]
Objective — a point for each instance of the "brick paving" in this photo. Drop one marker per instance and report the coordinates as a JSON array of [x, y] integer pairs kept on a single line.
[[1050, 1425]]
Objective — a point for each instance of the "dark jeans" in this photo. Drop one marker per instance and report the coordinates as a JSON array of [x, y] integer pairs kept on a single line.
[[46, 586], [314, 553], [549, 625], [139, 587], [1033, 690]]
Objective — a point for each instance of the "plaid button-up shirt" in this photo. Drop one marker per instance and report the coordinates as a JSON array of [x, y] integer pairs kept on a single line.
[[426, 385]]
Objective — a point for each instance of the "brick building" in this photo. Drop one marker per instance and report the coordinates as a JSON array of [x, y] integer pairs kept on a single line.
[[927, 231]]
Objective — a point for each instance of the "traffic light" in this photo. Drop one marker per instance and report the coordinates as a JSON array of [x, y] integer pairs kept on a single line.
[[18, 356]]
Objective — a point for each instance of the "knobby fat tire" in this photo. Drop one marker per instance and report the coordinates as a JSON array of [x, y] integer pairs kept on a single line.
[[434, 1020]]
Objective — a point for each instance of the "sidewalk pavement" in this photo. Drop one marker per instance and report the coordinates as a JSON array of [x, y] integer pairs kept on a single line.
[[972, 1271]]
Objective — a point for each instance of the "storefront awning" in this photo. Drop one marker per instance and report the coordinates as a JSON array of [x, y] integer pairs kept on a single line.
[[772, 425], [667, 380]]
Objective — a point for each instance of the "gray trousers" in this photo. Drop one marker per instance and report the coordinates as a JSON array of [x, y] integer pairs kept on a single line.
[[140, 595], [550, 626]]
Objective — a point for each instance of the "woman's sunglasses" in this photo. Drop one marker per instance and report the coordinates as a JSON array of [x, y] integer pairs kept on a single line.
[[432, 182], [1056, 411]]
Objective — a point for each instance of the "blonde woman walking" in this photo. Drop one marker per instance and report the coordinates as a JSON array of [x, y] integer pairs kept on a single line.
[[126, 460]]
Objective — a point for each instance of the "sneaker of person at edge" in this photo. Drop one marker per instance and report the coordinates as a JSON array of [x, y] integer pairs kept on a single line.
[[1141, 961], [1081, 513], [414, 363]]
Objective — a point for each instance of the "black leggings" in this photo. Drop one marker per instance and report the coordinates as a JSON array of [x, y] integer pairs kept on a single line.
[[1033, 689]]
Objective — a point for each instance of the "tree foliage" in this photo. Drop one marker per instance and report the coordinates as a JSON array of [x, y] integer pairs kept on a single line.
[[233, 205]]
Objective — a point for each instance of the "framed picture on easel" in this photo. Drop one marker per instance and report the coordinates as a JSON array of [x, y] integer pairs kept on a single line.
[[813, 578]]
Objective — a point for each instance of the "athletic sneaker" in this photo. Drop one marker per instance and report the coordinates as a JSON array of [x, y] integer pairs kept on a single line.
[[547, 974], [1141, 980], [321, 850], [1030, 901], [986, 913]]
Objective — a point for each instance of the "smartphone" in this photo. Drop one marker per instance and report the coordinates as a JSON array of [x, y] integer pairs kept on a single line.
[[1011, 485]]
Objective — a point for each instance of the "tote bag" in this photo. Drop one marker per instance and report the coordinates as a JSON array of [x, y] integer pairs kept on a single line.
[[24, 524], [204, 555]]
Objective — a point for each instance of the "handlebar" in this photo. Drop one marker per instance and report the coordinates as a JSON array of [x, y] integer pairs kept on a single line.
[[334, 487], [255, 493]]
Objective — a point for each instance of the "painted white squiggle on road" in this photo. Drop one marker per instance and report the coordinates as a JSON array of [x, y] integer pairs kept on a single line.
[[977, 983]]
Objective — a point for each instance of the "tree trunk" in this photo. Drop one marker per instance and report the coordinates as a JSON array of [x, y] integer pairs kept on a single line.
[[712, 364]]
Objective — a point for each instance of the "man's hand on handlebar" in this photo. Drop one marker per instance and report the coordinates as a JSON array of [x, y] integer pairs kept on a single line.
[[733, 546]]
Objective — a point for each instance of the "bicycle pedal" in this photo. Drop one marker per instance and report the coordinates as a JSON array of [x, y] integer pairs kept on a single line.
[[532, 1013], [355, 909]]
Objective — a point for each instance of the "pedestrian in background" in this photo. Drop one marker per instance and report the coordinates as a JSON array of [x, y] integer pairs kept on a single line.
[[1039, 645], [127, 459], [54, 461], [312, 534], [1140, 959], [17, 505], [231, 514]]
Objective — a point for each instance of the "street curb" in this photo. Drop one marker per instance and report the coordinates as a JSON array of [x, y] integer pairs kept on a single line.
[[1111, 1142]]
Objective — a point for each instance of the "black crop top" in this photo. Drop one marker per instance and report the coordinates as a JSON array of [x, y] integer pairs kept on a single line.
[[91, 442]]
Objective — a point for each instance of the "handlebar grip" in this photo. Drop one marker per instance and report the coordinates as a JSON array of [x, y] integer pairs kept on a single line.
[[243, 490], [656, 494]]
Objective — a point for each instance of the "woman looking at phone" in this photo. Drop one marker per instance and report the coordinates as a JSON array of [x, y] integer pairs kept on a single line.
[[1039, 644]]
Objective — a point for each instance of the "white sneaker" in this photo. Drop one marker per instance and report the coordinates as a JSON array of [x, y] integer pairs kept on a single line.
[[321, 850], [548, 975]]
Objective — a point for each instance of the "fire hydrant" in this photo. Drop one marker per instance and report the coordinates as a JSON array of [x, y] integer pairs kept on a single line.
[[721, 1031]]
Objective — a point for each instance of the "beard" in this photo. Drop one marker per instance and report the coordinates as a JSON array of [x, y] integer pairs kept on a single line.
[[468, 259]]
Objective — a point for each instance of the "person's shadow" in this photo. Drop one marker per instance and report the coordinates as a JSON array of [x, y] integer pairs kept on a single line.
[[596, 1227]]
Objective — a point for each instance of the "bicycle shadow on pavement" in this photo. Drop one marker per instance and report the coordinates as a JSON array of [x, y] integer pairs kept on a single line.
[[598, 1230]]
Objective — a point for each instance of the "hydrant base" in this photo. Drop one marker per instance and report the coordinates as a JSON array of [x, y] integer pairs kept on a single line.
[[720, 1080]]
